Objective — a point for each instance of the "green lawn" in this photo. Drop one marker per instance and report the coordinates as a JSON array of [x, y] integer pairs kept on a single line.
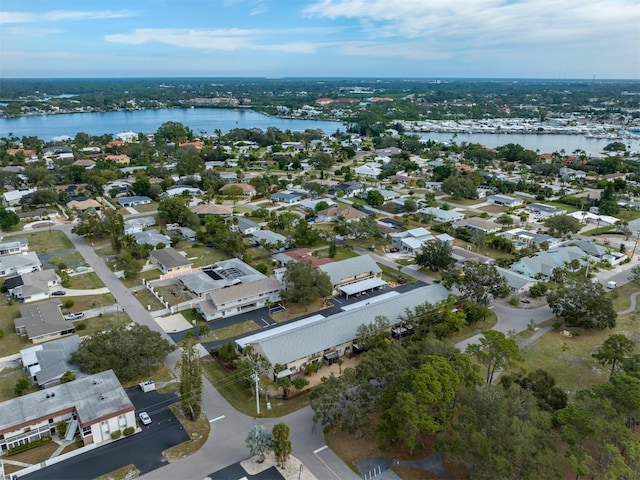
[[86, 302], [8, 379], [100, 323], [230, 331], [149, 207], [48, 241], [145, 297], [341, 253], [173, 294], [89, 280], [628, 215], [66, 259], [10, 343], [463, 201], [202, 255], [241, 397], [137, 279]]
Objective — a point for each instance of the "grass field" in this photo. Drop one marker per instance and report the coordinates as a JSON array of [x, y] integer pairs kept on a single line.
[[8, 379], [33, 456], [241, 396], [87, 280], [173, 294], [137, 279], [70, 257], [48, 241], [231, 331], [10, 342], [204, 255], [145, 297]]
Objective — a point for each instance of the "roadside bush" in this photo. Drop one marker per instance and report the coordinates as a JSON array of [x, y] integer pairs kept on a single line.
[[539, 289], [515, 301], [227, 352], [129, 431], [79, 441], [116, 435], [68, 303], [204, 330], [80, 326]]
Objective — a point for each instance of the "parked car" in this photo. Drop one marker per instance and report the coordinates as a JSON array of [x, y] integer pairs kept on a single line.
[[58, 293], [74, 316], [144, 418]]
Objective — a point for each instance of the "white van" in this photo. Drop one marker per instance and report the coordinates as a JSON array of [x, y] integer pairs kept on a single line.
[[612, 284]]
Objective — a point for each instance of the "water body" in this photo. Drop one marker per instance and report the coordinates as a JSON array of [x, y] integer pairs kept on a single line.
[[544, 143], [198, 120]]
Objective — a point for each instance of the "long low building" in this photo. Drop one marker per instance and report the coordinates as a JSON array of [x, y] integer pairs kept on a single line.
[[94, 406], [318, 338]]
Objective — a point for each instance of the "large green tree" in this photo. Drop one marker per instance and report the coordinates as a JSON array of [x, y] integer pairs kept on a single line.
[[8, 219], [582, 302], [130, 351], [614, 350], [495, 351], [281, 443], [477, 282], [190, 379], [562, 225], [304, 283], [174, 210], [436, 255], [417, 403], [498, 435]]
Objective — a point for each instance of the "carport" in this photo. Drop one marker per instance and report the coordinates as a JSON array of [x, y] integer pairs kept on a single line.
[[363, 286]]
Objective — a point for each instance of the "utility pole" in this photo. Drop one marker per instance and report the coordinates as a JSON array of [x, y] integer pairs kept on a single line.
[[256, 378]]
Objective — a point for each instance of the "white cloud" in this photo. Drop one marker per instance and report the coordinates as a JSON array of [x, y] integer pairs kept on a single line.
[[221, 39], [61, 15], [485, 21]]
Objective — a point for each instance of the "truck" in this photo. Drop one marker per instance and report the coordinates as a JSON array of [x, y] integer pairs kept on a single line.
[[612, 284]]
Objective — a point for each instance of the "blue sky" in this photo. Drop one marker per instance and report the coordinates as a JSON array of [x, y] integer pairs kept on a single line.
[[354, 38]]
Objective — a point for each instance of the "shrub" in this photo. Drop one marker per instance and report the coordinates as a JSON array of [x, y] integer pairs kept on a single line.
[[22, 385], [79, 441], [68, 303], [515, 301], [28, 446], [80, 326], [61, 428], [129, 431], [116, 435], [204, 330]]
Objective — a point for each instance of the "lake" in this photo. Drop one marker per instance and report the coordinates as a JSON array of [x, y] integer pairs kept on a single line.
[[209, 120], [544, 143], [198, 120]]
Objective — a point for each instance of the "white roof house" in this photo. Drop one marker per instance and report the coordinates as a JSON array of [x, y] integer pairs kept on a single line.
[[370, 169], [19, 263], [291, 345], [440, 215], [13, 197]]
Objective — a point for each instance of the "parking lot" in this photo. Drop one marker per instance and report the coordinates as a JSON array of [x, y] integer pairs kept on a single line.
[[143, 449]]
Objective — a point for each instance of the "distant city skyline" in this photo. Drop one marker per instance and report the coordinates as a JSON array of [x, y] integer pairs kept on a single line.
[[321, 38]]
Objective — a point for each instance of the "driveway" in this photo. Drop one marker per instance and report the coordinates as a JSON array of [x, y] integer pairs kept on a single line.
[[144, 449]]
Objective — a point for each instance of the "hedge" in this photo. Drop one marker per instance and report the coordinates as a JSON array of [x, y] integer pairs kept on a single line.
[[28, 446], [129, 431], [116, 435]]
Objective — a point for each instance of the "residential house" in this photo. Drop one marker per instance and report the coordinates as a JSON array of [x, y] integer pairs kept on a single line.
[[589, 217], [243, 225], [478, 224], [525, 238], [286, 197], [42, 321], [325, 339], [86, 164], [353, 276], [411, 241], [247, 189], [13, 197], [121, 159], [228, 177], [347, 189], [19, 263], [138, 224], [179, 191], [542, 264], [188, 234], [223, 274], [566, 174], [205, 209], [300, 255], [133, 201], [545, 211], [311, 204], [151, 237], [81, 206], [239, 298], [599, 253], [348, 214], [505, 201], [440, 215], [32, 286], [271, 240], [47, 362], [518, 284], [169, 260], [14, 245], [370, 169], [387, 195], [92, 406]]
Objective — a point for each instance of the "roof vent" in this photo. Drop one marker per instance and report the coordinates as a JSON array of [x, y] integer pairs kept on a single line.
[[53, 395], [48, 395], [102, 397]]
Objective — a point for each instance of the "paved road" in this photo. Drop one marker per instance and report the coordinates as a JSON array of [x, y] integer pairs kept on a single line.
[[225, 445]]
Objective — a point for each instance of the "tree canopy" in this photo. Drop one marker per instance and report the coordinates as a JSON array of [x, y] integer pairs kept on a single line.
[[477, 281], [583, 303], [304, 283], [130, 351], [436, 255]]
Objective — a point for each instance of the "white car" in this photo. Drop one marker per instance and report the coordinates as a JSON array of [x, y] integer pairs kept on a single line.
[[144, 418], [74, 316]]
